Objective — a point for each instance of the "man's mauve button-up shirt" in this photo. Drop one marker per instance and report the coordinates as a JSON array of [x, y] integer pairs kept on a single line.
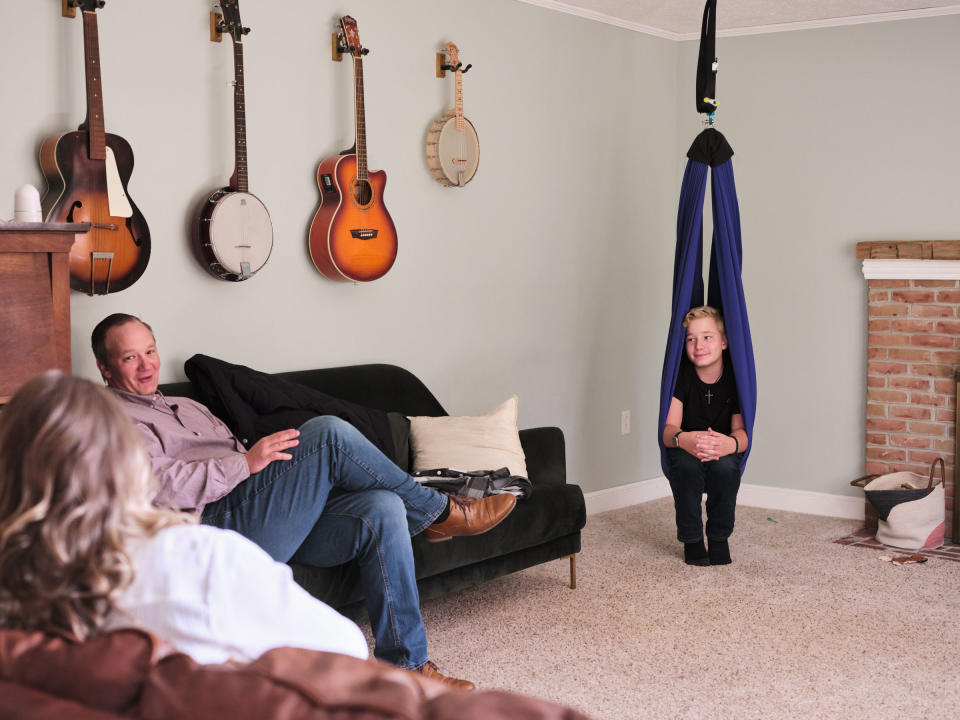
[[195, 457]]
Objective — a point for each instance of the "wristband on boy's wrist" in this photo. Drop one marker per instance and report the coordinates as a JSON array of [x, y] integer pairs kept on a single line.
[[676, 438], [736, 443]]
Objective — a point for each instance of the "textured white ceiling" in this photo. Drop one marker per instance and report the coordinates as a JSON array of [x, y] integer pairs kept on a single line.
[[680, 19]]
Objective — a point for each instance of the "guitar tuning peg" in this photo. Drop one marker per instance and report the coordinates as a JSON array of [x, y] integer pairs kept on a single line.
[[365, 51], [245, 30]]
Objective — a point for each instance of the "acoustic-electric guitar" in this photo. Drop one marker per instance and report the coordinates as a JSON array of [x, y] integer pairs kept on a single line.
[[352, 236], [87, 173], [232, 232], [453, 148]]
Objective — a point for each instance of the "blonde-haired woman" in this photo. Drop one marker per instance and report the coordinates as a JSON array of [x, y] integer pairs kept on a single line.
[[83, 550]]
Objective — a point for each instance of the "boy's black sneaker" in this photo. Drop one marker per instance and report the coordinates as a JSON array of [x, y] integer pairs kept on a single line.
[[695, 553], [719, 552]]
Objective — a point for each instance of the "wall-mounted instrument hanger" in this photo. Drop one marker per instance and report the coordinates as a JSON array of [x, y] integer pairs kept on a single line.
[[443, 65]]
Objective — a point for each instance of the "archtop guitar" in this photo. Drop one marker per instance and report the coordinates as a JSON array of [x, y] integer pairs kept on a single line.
[[87, 172]]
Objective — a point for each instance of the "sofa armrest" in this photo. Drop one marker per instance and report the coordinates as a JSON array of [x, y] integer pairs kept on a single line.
[[545, 451]]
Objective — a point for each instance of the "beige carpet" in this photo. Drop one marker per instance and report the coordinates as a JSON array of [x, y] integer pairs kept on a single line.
[[797, 627]]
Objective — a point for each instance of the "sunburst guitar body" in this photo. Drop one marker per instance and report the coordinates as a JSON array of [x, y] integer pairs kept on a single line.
[[453, 148], [352, 236]]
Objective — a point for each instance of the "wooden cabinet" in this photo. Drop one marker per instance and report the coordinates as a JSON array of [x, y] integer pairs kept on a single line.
[[34, 300]]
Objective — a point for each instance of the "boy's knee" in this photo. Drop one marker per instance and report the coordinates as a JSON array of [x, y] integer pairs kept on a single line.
[[682, 464], [727, 468]]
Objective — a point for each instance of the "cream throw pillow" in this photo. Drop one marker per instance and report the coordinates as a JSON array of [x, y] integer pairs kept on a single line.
[[484, 442]]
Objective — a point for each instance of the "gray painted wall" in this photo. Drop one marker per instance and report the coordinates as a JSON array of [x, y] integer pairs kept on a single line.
[[549, 275]]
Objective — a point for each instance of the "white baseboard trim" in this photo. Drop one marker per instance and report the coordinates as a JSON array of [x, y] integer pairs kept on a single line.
[[764, 496], [623, 496]]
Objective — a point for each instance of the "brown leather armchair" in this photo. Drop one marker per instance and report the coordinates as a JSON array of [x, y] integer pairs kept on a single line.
[[132, 674]]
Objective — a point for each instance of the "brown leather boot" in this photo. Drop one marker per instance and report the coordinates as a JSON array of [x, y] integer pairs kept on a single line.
[[429, 670], [471, 516]]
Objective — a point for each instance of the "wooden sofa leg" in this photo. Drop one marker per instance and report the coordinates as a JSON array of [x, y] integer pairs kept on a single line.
[[573, 572]]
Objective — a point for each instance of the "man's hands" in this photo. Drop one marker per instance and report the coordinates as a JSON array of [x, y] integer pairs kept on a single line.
[[270, 448], [707, 444]]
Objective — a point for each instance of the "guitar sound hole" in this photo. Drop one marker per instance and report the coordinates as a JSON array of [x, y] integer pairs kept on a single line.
[[362, 192]]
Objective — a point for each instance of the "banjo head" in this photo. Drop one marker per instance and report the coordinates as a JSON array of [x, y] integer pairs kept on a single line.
[[453, 155], [240, 234]]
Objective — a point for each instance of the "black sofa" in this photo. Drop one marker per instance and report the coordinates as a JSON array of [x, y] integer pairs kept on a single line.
[[544, 527]]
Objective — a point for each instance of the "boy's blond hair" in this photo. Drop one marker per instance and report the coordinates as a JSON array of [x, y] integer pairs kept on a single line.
[[705, 311]]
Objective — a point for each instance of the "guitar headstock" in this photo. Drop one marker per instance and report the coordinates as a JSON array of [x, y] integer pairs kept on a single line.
[[350, 37], [231, 20], [87, 5], [453, 54]]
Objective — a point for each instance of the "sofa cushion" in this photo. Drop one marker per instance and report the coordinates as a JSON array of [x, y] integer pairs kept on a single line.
[[484, 442]]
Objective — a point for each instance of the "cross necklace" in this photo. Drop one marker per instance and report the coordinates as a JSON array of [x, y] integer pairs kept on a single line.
[[709, 396]]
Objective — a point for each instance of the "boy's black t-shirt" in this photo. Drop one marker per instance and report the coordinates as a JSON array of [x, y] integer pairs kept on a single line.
[[706, 406]]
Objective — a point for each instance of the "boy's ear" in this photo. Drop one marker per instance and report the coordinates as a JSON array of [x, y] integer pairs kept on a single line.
[[723, 343]]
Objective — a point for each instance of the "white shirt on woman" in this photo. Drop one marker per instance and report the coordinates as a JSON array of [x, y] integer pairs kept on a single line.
[[216, 595]]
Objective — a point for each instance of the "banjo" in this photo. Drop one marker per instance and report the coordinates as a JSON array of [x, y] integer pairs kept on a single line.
[[453, 149], [232, 232]]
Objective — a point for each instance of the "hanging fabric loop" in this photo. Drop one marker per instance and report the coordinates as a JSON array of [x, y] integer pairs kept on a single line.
[[707, 60], [710, 154]]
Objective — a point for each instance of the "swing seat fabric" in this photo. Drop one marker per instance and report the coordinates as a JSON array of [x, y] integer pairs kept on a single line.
[[710, 154]]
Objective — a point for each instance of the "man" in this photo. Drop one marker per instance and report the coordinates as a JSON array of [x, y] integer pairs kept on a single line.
[[320, 495]]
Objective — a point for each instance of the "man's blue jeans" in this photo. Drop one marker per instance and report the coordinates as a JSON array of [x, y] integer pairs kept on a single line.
[[689, 479], [340, 498]]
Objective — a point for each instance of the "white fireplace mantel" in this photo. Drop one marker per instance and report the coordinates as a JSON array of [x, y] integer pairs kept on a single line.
[[896, 269]]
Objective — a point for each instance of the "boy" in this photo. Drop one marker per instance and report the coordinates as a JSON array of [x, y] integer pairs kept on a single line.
[[705, 436]]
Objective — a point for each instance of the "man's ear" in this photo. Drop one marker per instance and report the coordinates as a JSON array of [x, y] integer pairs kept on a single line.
[[104, 371]]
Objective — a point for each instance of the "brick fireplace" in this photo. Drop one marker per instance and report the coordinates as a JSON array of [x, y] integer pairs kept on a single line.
[[913, 357]]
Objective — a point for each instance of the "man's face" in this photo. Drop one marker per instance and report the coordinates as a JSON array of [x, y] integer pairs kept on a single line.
[[133, 362]]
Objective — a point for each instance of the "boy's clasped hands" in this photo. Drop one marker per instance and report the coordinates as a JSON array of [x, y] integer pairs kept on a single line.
[[711, 445]]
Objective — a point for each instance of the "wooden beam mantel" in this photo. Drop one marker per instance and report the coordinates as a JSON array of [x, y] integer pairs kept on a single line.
[[909, 250]]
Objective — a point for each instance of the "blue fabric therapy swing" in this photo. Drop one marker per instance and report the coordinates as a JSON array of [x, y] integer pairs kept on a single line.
[[710, 152]]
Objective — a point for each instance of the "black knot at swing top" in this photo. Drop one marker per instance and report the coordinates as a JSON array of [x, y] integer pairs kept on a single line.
[[705, 405]]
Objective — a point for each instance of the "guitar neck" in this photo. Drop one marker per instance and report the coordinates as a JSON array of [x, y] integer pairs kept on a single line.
[[458, 98], [361, 139], [91, 53], [239, 180]]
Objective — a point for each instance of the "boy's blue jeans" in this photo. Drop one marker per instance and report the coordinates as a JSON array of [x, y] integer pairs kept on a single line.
[[689, 479], [340, 498]]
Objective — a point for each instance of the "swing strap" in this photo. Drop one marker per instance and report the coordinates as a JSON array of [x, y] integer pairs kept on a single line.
[[707, 60]]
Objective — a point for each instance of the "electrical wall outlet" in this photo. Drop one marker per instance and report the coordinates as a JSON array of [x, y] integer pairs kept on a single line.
[[625, 422]]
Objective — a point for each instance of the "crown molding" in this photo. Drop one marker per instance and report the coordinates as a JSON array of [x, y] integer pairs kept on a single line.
[[752, 30], [605, 19], [894, 269]]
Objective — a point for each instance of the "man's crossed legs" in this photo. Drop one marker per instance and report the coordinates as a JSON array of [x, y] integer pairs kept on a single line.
[[339, 498]]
